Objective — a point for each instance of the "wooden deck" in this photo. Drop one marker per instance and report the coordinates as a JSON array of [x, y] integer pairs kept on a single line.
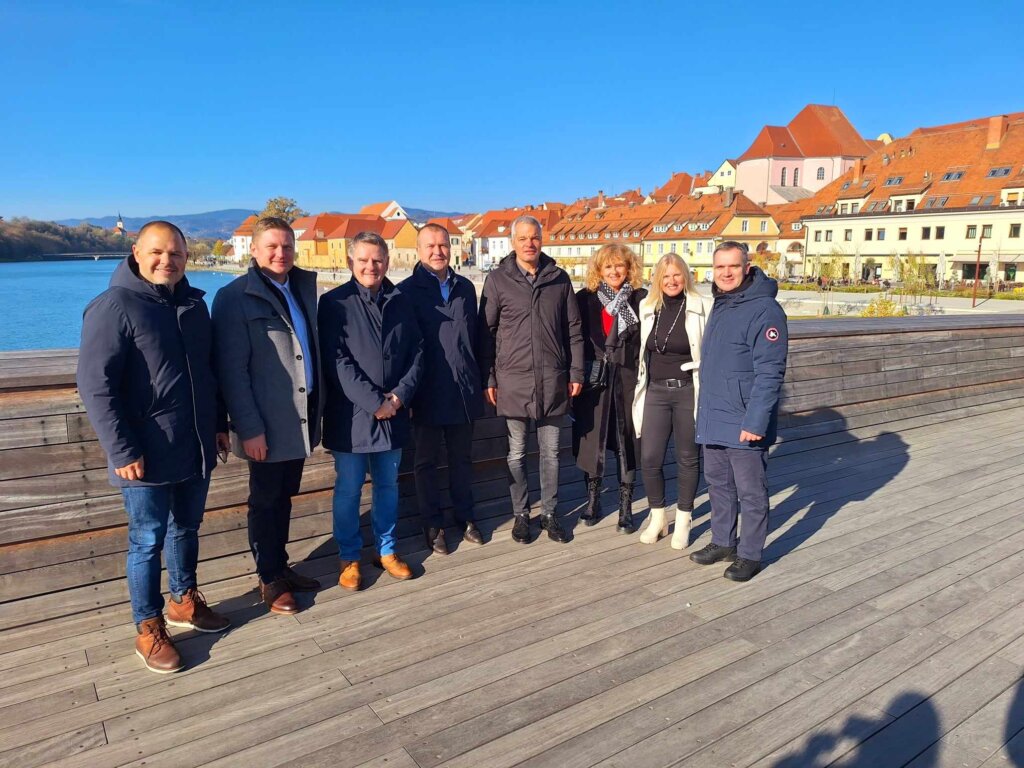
[[887, 628]]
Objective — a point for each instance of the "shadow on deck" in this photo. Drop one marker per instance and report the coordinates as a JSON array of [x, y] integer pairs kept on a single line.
[[887, 629]]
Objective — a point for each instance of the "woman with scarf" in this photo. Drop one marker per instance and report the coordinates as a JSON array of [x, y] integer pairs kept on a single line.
[[609, 308], [672, 321]]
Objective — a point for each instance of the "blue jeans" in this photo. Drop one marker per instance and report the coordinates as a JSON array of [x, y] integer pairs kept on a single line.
[[547, 443], [348, 488], [162, 516]]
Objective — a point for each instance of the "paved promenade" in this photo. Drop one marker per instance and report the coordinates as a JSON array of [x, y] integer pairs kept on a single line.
[[886, 630]]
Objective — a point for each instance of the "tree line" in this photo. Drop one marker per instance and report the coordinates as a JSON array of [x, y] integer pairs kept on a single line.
[[26, 239]]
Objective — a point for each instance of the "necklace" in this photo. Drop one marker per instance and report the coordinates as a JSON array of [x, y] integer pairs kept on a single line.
[[657, 322]]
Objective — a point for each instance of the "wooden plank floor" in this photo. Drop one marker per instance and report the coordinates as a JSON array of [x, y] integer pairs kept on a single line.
[[886, 630]]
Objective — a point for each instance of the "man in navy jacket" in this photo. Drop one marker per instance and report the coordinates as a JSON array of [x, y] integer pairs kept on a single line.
[[373, 362], [450, 397], [145, 377], [743, 363]]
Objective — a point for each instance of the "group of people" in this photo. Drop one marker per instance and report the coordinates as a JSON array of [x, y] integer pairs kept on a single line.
[[372, 368]]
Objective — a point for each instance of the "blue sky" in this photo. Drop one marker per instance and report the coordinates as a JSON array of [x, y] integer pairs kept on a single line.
[[154, 107]]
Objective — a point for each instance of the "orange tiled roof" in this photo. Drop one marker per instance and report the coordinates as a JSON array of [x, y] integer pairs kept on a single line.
[[816, 131], [960, 165], [392, 228], [246, 227], [448, 223], [377, 209], [353, 225]]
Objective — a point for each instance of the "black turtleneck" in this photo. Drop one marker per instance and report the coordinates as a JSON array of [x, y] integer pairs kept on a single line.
[[676, 346]]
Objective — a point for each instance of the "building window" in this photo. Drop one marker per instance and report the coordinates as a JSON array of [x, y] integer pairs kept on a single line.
[[821, 173], [848, 235], [745, 224], [700, 246], [986, 230], [953, 176], [893, 181], [998, 173], [972, 231], [926, 233], [817, 235], [910, 205], [902, 234], [868, 234], [828, 235], [880, 234], [842, 209], [975, 200], [796, 177], [764, 226], [854, 207], [661, 248], [989, 199], [1015, 230], [940, 233], [783, 183]]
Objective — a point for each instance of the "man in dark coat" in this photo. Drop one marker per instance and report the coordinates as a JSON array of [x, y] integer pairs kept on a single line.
[[449, 397], [373, 363], [532, 355], [268, 364], [146, 379], [743, 363]]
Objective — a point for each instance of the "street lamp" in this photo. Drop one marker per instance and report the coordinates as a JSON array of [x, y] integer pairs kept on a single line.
[[977, 270]]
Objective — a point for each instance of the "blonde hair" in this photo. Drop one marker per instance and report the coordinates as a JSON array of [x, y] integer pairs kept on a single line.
[[671, 258], [614, 252]]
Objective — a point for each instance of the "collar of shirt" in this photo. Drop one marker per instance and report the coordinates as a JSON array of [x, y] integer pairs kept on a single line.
[[449, 277], [368, 297]]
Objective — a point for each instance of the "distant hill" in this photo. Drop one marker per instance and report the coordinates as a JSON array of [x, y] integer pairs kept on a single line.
[[218, 224], [420, 216]]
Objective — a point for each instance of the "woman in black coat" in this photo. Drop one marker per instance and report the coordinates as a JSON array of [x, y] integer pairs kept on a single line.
[[602, 421]]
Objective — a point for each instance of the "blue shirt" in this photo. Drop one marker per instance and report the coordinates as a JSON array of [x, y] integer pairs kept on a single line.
[[446, 284], [301, 331]]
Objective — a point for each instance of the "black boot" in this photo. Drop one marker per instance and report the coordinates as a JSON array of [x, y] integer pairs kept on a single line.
[[625, 508], [592, 513]]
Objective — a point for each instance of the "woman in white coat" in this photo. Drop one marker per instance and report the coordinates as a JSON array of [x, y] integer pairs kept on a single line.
[[672, 321]]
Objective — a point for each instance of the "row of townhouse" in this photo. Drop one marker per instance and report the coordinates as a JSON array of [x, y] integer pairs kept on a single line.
[[322, 240], [933, 200]]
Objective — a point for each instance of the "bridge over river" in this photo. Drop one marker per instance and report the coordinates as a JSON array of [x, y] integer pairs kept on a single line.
[[887, 628]]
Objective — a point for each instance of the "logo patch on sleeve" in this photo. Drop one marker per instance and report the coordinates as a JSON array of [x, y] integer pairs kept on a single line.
[[772, 334]]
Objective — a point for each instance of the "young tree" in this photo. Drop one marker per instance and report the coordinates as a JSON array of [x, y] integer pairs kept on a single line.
[[218, 248], [283, 208]]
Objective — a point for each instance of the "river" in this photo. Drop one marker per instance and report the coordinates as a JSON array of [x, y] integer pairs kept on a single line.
[[41, 302]]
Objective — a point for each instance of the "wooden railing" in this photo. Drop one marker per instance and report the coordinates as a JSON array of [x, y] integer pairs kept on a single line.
[[62, 526]]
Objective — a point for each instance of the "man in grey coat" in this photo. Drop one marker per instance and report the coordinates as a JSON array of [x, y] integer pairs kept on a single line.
[[531, 355], [268, 362]]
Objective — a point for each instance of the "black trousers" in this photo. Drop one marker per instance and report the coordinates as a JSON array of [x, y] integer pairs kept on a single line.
[[458, 439], [271, 487], [669, 412]]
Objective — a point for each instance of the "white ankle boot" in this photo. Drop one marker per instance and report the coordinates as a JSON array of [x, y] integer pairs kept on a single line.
[[681, 533], [657, 526]]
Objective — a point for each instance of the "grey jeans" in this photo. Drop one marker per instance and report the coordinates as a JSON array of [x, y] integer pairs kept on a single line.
[[547, 439]]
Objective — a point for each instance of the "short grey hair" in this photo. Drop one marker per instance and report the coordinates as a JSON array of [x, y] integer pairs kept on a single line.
[[524, 219], [367, 237], [733, 245]]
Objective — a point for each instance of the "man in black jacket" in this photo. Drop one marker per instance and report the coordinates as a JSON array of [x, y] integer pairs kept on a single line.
[[531, 352], [145, 376], [449, 397]]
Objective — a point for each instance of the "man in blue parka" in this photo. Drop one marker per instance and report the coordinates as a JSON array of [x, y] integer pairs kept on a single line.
[[373, 362], [147, 382], [450, 396], [743, 363]]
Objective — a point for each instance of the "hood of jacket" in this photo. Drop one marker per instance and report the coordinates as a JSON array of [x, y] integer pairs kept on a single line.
[[757, 285], [127, 276]]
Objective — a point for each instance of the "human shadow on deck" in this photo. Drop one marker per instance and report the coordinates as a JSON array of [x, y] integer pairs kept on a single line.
[[912, 738], [1013, 730], [826, 467]]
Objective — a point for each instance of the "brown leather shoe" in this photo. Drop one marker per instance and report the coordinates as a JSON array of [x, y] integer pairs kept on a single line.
[[300, 583], [278, 597], [472, 534], [153, 645], [350, 577], [394, 565], [436, 541], [193, 612]]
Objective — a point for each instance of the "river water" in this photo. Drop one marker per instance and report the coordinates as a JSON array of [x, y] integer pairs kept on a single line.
[[41, 303]]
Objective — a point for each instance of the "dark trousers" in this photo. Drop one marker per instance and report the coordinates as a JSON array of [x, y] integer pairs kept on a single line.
[[738, 485], [271, 487], [669, 412], [458, 440]]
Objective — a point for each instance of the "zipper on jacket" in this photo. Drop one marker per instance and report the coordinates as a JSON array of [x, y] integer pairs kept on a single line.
[[192, 392]]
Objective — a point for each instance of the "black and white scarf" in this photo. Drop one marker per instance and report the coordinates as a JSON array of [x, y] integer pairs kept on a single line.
[[617, 305]]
